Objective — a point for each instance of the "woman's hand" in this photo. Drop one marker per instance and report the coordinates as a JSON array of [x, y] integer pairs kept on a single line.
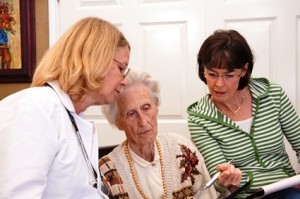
[[297, 186], [230, 176]]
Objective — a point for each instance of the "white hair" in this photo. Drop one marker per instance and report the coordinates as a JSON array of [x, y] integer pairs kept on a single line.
[[111, 111]]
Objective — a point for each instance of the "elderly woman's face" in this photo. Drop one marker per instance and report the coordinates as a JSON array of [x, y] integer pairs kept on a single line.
[[138, 115]]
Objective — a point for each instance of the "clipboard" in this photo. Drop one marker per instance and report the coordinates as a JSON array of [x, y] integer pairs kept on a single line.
[[242, 188], [276, 186]]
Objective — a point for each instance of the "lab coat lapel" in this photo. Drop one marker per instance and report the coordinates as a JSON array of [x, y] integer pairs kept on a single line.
[[86, 128]]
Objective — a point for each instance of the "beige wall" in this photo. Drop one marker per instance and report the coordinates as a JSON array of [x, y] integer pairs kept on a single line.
[[42, 44]]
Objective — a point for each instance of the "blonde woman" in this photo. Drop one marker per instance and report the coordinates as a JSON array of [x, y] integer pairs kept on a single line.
[[47, 148]]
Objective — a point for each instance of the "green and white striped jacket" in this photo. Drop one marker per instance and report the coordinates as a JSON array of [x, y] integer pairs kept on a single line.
[[260, 154]]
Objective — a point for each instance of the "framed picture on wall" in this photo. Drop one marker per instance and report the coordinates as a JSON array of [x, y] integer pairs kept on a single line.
[[17, 41]]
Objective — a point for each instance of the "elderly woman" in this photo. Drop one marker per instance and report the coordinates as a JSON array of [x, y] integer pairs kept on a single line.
[[147, 165]]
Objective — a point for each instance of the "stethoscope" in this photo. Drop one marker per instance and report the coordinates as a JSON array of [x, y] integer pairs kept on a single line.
[[92, 172]]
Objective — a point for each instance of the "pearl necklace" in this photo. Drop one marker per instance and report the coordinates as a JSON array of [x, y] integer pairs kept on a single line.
[[234, 112], [133, 173]]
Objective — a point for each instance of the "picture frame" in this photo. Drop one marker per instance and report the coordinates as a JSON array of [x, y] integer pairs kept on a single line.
[[26, 59]]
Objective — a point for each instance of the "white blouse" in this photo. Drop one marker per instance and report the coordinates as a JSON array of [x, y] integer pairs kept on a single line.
[[245, 125], [149, 174]]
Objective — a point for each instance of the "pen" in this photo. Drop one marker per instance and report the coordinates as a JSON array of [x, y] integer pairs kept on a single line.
[[213, 180]]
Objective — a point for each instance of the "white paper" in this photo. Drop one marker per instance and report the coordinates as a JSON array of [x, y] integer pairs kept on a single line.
[[280, 185]]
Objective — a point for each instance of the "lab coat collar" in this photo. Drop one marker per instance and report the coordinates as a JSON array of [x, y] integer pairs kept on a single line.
[[64, 97]]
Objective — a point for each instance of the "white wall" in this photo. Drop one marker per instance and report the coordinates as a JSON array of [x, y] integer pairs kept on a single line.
[[165, 36]]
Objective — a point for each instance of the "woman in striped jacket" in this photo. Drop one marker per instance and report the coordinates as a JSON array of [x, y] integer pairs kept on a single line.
[[242, 118]]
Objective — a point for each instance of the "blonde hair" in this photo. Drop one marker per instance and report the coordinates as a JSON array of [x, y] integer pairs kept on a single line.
[[111, 111], [81, 57]]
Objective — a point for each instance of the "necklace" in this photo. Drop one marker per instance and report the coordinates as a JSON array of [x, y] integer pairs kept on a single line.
[[234, 112], [133, 173]]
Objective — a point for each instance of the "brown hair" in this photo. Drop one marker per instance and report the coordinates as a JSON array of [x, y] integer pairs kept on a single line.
[[226, 49]]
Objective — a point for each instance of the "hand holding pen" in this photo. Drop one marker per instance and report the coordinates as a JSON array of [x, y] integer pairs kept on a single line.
[[230, 176]]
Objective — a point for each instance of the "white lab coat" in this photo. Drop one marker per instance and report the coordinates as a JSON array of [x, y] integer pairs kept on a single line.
[[39, 152]]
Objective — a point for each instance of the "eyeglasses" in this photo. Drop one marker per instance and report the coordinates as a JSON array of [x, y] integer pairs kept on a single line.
[[226, 77], [123, 69]]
